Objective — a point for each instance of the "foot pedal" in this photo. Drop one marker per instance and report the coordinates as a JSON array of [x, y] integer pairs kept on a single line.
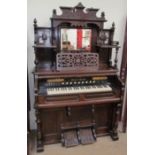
[[70, 138], [86, 136]]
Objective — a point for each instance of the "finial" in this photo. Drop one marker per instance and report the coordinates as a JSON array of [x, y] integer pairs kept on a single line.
[[79, 6], [35, 22], [54, 12], [102, 14], [113, 25]]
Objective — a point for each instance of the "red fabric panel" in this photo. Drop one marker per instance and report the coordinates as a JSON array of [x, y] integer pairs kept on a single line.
[[79, 38]]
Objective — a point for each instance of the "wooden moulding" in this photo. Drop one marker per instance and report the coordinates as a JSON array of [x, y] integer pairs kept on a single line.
[[55, 74], [51, 104]]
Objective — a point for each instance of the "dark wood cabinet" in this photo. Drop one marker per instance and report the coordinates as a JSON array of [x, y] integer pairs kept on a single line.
[[78, 94]]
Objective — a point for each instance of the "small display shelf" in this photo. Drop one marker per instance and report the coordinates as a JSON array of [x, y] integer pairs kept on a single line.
[[108, 46], [45, 46]]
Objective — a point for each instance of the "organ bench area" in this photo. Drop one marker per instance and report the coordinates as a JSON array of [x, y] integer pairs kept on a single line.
[[78, 94]]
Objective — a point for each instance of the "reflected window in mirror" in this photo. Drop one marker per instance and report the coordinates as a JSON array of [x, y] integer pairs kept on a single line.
[[76, 39]]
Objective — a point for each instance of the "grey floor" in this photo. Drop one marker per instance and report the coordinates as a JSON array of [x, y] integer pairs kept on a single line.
[[103, 146]]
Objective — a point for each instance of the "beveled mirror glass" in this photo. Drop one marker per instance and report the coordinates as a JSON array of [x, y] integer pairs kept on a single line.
[[76, 39]]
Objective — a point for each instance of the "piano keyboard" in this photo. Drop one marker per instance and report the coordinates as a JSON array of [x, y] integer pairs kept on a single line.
[[79, 89], [75, 86]]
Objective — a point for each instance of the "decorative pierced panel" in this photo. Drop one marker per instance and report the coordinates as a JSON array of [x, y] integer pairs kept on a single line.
[[77, 61]]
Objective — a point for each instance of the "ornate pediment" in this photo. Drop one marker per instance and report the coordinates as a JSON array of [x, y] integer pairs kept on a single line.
[[79, 13]]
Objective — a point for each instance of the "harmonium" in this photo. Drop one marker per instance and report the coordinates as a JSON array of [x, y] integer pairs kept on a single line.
[[78, 93]]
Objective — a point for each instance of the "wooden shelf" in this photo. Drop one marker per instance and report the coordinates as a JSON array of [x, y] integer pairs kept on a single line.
[[104, 70], [54, 74], [44, 46], [108, 46], [41, 27]]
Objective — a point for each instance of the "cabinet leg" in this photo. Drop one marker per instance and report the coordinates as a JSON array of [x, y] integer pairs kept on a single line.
[[40, 147], [114, 135], [114, 132]]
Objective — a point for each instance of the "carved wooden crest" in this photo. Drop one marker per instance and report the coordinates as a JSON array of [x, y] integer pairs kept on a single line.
[[78, 13]]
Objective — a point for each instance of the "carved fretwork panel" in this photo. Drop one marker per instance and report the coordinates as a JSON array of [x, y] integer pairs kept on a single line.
[[80, 61]]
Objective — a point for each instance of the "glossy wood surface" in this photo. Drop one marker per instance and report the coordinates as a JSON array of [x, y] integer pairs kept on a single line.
[[54, 113]]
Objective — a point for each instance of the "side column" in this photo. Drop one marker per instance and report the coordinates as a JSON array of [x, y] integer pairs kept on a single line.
[[40, 147], [116, 112]]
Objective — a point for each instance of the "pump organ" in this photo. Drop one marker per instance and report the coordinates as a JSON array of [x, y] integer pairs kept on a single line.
[[78, 94]]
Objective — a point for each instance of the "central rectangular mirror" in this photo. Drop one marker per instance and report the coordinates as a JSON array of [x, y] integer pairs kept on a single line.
[[76, 39]]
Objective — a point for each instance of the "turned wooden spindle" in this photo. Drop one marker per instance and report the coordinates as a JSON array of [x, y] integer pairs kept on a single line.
[[68, 111], [113, 26], [36, 62], [35, 22], [114, 132], [116, 56]]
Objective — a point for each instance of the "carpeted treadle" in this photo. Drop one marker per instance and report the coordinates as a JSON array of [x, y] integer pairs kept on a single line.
[[70, 138], [86, 136]]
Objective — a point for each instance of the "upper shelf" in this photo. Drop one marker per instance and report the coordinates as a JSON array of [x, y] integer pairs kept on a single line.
[[44, 46], [108, 46]]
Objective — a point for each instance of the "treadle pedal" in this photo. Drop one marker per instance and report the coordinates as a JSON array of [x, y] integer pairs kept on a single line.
[[86, 136], [70, 138]]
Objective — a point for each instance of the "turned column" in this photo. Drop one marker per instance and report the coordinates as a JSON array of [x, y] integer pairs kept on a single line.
[[116, 56], [114, 132], [39, 132]]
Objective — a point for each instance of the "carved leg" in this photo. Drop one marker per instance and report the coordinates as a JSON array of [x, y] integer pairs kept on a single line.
[[114, 132], [39, 133]]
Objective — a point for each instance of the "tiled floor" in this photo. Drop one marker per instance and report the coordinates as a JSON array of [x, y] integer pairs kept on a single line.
[[103, 146]]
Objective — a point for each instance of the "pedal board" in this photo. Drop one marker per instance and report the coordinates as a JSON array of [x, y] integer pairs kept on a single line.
[[70, 138], [86, 136], [73, 137]]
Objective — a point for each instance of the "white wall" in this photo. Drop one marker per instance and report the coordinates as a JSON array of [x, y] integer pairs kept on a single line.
[[115, 10]]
